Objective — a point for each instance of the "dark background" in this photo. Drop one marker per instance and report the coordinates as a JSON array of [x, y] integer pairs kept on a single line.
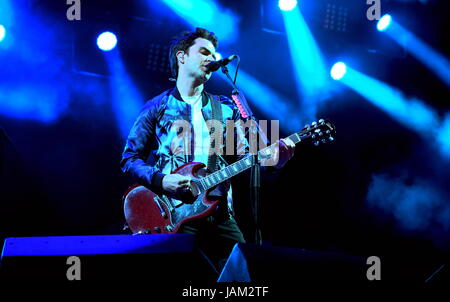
[[61, 176]]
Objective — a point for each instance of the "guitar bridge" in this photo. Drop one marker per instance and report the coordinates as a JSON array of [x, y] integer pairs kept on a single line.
[[158, 202]]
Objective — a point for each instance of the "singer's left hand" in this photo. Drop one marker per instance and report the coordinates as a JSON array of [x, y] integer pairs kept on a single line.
[[280, 153], [286, 151]]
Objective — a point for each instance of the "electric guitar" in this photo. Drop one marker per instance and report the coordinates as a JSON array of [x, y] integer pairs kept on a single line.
[[147, 212]]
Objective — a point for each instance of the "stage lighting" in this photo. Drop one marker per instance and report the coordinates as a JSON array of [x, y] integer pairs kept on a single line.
[[336, 18], [338, 70], [264, 97], [311, 74], [430, 57], [106, 41], [2, 32], [384, 22], [218, 56], [206, 14], [287, 5]]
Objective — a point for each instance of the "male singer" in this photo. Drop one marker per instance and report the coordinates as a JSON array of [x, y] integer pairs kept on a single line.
[[153, 150]]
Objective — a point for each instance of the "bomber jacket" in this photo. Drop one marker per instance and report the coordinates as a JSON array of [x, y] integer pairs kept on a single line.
[[149, 152]]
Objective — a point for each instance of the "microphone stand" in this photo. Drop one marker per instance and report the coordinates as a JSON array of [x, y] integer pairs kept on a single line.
[[255, 175]]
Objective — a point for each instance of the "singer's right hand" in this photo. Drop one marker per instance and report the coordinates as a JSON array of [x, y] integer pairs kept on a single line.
[[176, 185]]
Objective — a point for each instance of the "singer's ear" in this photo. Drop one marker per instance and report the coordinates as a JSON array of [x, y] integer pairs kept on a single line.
[[180, 56]]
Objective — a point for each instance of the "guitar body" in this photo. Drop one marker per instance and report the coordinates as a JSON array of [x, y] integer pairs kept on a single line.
[[147, 212]]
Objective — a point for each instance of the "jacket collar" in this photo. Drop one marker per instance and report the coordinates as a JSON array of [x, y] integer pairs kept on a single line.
[[176, 94]]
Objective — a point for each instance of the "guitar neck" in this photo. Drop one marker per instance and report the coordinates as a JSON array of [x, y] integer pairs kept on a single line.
[[241, 165]]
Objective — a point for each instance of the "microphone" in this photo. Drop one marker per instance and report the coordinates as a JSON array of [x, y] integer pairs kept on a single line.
[[214, 65]]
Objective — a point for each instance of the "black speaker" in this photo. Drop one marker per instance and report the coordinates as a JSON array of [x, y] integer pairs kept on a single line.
[[249, 262], [111, 257]]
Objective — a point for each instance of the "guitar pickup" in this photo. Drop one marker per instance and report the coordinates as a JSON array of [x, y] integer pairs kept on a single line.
[[169, 202]]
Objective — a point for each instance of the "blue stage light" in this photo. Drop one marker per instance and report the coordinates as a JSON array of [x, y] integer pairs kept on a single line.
[[444, 136], [437, 62], [384, 22], [2, 32], [207, 14], [338, 70], [266, 99], [311, 75], [409, 111], [287, 5], [126, 99], [107, 41]]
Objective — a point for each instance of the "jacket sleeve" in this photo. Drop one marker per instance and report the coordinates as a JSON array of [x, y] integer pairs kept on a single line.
[[140, 142]]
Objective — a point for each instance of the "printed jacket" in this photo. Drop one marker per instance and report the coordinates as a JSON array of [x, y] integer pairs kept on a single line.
[[153, 148]]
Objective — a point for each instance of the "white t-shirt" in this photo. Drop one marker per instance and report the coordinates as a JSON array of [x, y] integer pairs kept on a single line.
[[201, 131]]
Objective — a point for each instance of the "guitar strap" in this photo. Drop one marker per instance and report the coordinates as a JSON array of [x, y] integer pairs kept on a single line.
[[216, 116]]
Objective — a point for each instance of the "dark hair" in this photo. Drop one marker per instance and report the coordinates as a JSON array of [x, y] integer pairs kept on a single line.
[[184, 41]]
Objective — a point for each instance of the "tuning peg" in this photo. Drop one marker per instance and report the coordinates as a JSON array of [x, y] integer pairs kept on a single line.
[[316, 143], [331, 138], [324, 141], [313, 123], [321, 121]]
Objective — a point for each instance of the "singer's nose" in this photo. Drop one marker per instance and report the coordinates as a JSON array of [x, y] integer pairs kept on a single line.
[[210, 57]]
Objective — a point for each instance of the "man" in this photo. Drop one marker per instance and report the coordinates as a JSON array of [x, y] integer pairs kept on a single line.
[[153, 148]]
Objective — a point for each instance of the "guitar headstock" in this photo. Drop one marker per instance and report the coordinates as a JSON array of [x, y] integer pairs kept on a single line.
[[319, 132]]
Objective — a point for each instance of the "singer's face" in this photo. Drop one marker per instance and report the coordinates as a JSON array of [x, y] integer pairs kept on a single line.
[[199, 54]]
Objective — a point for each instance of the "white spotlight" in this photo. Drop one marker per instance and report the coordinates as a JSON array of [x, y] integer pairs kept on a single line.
[[2, 32], [107, 41], [384, 22], [338, 70], [287, 5]]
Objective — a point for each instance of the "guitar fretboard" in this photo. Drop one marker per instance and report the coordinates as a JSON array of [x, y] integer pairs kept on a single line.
[[241, 165]]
